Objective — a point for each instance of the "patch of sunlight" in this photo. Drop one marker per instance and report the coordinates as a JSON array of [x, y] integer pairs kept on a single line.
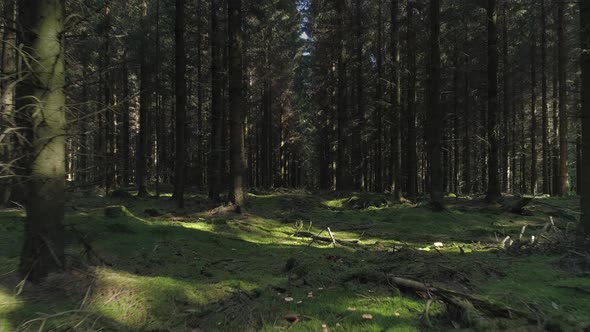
[[8, 304], [154, 303], [337, 203]]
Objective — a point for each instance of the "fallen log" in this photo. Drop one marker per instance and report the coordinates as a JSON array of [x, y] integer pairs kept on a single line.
[[468, 305]]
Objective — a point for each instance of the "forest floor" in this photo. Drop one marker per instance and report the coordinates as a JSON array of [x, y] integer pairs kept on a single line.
[[153, 267]]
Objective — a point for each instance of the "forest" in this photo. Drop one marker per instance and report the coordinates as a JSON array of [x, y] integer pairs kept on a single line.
[[303, 165]]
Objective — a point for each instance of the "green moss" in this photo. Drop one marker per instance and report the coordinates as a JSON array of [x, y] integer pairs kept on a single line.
[[228, 273]]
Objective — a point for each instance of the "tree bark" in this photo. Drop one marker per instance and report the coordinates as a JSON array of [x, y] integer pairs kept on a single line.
[[238, 189], [142, 139], [396, 95], [180, 85], [493, 191], [214, 164], [42, 95], [585, 62], [437, 115], [563, 186], [342, 176], [544, 108], [533, 111], [411, 153]]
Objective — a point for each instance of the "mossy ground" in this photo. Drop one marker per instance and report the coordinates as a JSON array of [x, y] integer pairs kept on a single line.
[[188, 269]]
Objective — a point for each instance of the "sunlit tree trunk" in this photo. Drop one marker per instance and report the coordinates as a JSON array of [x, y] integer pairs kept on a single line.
[[42, 95], [7, 84]]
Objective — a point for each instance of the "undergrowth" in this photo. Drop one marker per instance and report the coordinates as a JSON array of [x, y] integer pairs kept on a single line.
[[163, 269]]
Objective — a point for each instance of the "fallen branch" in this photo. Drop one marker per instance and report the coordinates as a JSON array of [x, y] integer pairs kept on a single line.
[[466, 303], [352, 243]]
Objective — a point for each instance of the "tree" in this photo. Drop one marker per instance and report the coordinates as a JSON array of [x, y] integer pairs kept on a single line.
[[410, 144], [342, 176], [237, 154], [493, 191], [141, 171], [585, 63], [7, 85], [436, 112], [563, 186], [216, 120], [544, 107], [42, 97], [396, 95], [180, 84]]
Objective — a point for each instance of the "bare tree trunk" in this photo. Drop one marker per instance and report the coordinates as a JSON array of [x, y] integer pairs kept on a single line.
[[42, 95], [544, 109], [396, 94], [142, 140], [411, 145], [493, 191], [436, 112], [180, 85], [533, 111], [563, 186], [342, 176], [238, 191], [585, 62], [214, 164]]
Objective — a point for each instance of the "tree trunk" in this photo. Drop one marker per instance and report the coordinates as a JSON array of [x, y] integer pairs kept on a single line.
[[411, 144], [505, 101], [356, 143], [437, 115], [214, 164], [533, 111], [142, 140], [544, 108], [7, 90], [585, 62], [238, 189], [42, 95], [396, 95], [342, 176], [180, 85], [379, 103], [493, 191], [563, 186]]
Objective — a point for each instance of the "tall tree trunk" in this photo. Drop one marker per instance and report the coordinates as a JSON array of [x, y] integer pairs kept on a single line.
[[563, 186], [142, 140], [215, 159], [436, 112], [356, 143], [238, 189], [505, 101], [585, 62], [342, 176], [42, 95], [533, 111], [493, 191], [411, 145], [379, 100], [7, 91], [544, 108], [396, 95], [180, 85], [125, 130]]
